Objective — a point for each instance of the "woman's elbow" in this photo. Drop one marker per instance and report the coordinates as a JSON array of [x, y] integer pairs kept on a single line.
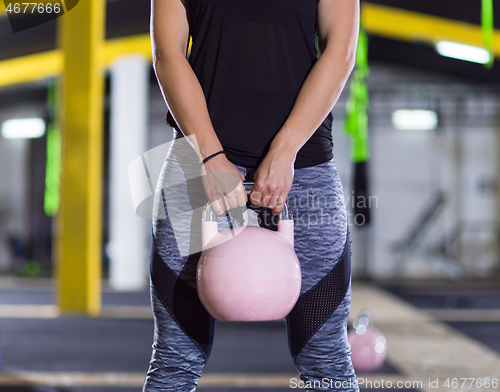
[[350, 61], [156, 57], [345, 58], [165, 57], [350, 55]]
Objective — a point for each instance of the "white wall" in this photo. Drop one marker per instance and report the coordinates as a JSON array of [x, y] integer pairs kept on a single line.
[[13, 186], [407, 167]]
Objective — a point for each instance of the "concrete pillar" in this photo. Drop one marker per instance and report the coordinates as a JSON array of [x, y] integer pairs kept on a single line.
[[13, 192], [128, 233]]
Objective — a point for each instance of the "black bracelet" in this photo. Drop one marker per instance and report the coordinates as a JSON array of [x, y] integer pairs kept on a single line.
[[211, 156]]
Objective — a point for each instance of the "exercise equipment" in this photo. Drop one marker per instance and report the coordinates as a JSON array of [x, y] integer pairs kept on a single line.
[[367, 345], [248, 273], [487, 28]]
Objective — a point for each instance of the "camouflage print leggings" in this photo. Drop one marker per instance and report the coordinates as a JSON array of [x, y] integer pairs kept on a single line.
[[317, 325]]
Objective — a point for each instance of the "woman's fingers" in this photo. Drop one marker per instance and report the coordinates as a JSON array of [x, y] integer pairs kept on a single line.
[[264, 197], [280, 203], [223, 202], [261, 194], [255, 197], [217, 207], [273, 202], [237, 197], [224, 185], [231, 201], [233, 196], [268, 201], [242, 196]]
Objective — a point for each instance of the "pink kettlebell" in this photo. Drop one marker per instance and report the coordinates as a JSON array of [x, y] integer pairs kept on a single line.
[[248, 273], [367, 345]]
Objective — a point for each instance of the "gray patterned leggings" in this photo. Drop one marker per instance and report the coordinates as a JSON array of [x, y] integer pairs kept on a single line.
[[316, 327]]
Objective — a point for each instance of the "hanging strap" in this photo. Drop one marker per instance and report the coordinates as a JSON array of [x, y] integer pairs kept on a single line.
[[487, 27]]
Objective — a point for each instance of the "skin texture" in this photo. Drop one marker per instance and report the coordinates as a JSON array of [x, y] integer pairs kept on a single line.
[[338, 24]]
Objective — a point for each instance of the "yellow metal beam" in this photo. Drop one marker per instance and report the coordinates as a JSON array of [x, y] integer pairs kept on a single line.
[[31, 68], [39, 66], [137, 44], [79, 222], [403, 25]]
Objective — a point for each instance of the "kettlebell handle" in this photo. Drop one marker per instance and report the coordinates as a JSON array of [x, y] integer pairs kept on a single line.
[[210, 216]]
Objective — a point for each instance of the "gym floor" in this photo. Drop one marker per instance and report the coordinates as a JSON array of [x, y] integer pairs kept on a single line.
[[435, 331]]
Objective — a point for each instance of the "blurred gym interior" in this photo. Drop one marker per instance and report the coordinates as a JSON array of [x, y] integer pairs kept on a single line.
[[74, 237]]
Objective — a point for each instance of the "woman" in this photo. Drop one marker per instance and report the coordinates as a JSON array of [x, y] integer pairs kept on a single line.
[[254, 101]]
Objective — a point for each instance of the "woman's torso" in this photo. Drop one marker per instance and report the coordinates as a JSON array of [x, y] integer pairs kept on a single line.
[[251, 58]]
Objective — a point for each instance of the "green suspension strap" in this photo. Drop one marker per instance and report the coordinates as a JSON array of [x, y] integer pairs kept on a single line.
[[487, 27], [356, 126], [356, 120], [53, 165]]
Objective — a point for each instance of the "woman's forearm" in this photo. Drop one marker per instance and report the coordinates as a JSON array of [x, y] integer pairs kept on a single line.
[[316, 98], [186, 101], [338, 27], [319, 92]]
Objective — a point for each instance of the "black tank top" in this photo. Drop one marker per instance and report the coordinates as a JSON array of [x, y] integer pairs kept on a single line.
[[251, 58]]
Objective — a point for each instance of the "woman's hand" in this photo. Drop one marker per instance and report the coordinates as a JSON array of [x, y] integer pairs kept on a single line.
[[273, 180], [223, 184]]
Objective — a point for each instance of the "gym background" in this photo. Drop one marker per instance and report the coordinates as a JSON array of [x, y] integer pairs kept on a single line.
[[79, 103]]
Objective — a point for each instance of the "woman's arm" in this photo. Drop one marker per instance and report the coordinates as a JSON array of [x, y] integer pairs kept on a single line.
[[338, 27], [184, 97]]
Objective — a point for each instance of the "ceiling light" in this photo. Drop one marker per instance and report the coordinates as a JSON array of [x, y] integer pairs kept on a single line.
[[415, 119], [23, 128], [463, 52]]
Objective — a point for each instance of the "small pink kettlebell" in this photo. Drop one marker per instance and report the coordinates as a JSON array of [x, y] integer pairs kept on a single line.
[[248, 273], [367, 345]]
